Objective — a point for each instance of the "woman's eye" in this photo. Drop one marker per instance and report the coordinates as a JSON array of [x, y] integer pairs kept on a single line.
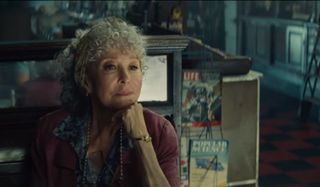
[[134, 67], [109, 67]]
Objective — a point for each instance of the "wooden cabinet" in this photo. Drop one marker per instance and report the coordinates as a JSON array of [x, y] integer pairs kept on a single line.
[[281, 49], [275, 42]]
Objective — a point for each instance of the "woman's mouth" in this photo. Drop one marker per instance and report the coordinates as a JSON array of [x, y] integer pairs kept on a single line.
[[124, 93]]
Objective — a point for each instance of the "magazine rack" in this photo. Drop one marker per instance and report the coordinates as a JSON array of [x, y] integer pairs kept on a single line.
[[240, 123], [239, 112]]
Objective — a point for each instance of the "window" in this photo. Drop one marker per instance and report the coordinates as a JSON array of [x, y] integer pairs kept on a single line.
[[35, 83]]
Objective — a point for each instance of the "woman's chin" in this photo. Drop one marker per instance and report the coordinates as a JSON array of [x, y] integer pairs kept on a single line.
[[123, 105]]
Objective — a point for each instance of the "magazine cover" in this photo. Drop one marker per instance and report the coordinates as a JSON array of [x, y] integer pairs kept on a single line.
[[200, 98], [208, 163], [184, 174]]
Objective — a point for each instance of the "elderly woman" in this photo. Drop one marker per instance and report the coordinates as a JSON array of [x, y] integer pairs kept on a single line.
[[102, 136]]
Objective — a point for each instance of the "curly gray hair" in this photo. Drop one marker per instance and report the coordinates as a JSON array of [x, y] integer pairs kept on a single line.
[[88, 47]]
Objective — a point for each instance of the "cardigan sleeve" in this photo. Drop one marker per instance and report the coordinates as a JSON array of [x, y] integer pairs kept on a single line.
[[168, 153], [38, 159]]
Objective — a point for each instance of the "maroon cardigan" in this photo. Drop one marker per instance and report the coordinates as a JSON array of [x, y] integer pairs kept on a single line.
[[54, 160]]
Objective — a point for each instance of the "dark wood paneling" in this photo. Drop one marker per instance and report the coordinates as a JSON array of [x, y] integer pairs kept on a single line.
[[263, 42], [250, 47], [283, 43], [291, 45], [257, 42], [279, 44], [295, 46]]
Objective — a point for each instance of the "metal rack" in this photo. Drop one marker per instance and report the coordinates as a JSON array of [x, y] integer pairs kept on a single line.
[[311, 78]]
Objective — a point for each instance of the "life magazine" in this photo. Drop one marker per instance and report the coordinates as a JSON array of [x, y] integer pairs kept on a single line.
[[200, 98]]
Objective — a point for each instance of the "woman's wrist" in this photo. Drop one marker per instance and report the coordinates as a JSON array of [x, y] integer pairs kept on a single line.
[[139, 133], [146, 138]]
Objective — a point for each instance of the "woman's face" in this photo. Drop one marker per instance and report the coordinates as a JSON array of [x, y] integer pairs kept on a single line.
[[115, 82]]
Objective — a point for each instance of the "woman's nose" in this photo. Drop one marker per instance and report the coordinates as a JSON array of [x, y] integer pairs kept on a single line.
[[124, 76]]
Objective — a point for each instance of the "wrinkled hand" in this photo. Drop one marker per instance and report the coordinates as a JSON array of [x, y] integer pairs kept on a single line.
[[133, 121]]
